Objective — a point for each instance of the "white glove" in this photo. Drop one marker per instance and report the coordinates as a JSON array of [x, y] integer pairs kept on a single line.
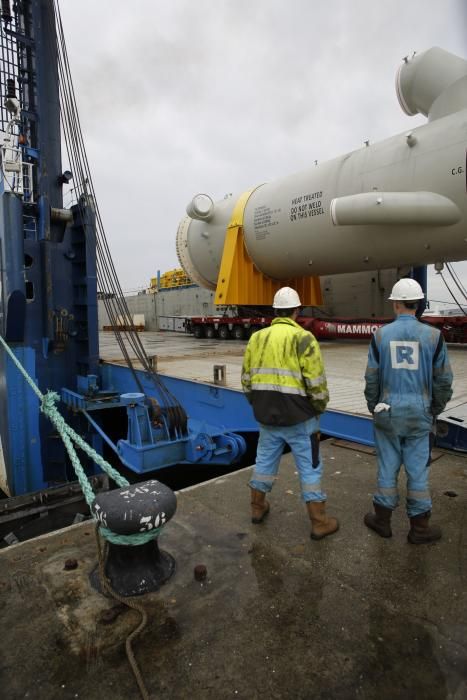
[[381, 407]]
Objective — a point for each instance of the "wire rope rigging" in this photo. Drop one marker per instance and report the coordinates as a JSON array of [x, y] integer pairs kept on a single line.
[[129, 342]]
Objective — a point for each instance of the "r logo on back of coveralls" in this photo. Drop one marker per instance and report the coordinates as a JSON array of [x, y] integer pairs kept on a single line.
[[404, 354]]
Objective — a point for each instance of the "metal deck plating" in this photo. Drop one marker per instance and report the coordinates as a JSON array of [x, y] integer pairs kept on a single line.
[[187, 365]]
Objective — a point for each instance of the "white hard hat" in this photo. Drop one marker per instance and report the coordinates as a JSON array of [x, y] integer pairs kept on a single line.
[[406, 290], [286, 298]]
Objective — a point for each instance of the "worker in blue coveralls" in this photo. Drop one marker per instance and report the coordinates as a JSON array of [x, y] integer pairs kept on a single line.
[[283, 379], [408, 383]]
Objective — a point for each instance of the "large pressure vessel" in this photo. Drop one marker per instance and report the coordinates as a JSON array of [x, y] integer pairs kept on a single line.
[[400, 202]]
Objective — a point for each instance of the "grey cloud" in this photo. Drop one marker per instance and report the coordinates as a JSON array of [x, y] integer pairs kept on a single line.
[[178, 97]]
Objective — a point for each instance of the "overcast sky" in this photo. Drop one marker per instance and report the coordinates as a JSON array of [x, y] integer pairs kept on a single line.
[[178, 97]]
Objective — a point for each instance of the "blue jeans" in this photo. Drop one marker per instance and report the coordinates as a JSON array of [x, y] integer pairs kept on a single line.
[[398, 442], [299, 437]]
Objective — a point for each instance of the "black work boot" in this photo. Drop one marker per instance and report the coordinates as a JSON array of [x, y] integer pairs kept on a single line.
[[379, 521], [420, 531]]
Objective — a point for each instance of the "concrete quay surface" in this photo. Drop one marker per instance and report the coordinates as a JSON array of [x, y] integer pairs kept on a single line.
[[279, 616]]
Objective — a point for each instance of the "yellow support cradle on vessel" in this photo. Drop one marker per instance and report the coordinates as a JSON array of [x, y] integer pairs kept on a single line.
[[240, 282]]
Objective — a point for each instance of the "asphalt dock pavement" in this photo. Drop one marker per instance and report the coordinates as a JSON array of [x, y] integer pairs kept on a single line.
[[278, 616]]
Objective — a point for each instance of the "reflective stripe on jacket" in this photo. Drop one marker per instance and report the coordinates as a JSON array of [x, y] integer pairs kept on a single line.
[[283, 374], [408, 368]]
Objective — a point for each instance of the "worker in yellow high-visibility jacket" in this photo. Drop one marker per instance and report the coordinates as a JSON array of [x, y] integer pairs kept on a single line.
[[283, 379]]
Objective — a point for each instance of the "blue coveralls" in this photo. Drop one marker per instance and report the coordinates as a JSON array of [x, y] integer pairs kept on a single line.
[[408, 369]]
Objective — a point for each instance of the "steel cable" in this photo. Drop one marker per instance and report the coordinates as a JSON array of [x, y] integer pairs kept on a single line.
[[111, 292], [452, 294], [457, 281]]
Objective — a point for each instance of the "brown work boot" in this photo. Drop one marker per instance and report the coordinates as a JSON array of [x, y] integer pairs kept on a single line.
[[379, 521], [259, 506], [420, 531], [321, 524]]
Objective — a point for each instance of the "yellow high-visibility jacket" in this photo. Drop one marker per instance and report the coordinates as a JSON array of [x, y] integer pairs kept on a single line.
[[283, 374]]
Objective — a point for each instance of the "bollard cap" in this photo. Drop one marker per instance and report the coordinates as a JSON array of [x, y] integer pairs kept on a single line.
[[136, 508]]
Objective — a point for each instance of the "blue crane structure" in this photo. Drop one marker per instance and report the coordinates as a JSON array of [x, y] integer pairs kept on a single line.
[[52, 261]]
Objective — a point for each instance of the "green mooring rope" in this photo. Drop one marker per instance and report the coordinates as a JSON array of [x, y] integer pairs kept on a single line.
[[69, 436], [129, 540]]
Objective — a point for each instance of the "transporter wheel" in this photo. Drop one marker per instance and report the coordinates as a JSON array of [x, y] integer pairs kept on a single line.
[[224, 332], [210, 332], [238, 332], [198, 331]]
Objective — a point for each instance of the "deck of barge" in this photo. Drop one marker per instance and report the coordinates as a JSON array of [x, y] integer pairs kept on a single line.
[[279, 616], [185, 357]]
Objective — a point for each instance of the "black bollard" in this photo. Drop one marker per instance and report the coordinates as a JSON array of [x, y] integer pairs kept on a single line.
[[133, 570]]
